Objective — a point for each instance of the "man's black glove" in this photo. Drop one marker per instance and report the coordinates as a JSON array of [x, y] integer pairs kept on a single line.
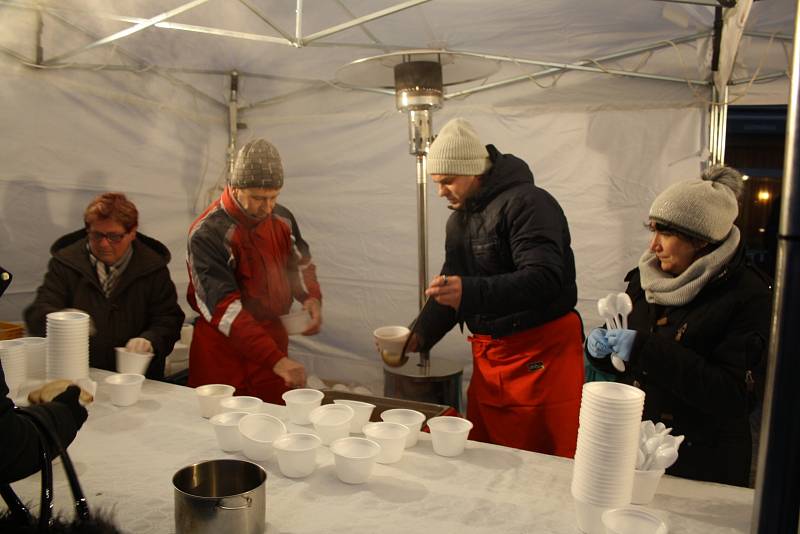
[[70, 398]]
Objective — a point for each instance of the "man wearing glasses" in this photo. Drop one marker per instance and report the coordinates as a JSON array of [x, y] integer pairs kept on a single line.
[[120, 278]]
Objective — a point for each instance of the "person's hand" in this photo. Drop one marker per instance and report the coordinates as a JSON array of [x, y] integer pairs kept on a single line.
[[140, 345], [621, 341], [292, 372], [314, 308], [446, 290], [597, 343], [70, 398]]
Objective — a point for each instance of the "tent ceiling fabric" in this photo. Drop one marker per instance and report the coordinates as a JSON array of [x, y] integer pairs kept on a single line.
[[146, 114], [554, 31]]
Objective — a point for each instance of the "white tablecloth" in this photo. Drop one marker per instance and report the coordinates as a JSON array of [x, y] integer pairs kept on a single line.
[[125, 458]]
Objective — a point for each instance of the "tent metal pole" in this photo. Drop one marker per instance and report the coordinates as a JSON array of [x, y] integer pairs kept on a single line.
[[362, 20], [767, 35], [130, 31], [777, 497], [712, 127], [723, 126], [39, 32], [548, 72], [257, 12], [298, 23], [172, 79], [233, 121], [762, 78]]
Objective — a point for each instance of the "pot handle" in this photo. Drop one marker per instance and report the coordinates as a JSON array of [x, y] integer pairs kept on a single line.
[[248, 499]]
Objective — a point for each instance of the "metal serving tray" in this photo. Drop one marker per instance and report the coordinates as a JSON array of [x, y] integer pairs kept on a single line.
[[386, 403]]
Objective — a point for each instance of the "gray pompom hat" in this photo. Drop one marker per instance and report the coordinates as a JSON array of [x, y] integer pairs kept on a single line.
[[258, 164], [705, 208]]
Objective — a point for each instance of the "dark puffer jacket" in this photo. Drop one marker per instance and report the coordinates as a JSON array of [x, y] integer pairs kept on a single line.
[[144, 302], [701, 367], [511, 246]]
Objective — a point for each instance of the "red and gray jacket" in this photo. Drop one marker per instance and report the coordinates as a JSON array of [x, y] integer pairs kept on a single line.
[[245, 272]]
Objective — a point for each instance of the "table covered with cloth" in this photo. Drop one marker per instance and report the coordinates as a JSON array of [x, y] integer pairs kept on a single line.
[[126, 457]]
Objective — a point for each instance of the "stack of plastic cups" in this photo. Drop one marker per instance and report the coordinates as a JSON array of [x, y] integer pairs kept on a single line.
[[12, 355], [36, 357], [67, 345], [608, 439]]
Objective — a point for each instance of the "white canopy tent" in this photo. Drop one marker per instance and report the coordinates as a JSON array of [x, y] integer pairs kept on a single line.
[[608, 101]]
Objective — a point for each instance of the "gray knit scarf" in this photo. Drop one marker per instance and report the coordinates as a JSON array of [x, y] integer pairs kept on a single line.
[[668, 290], [108, 275]]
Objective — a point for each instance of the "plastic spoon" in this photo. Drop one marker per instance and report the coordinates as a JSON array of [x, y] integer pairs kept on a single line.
[[664, 457], [604, 308], [624, 307], [639, 459]]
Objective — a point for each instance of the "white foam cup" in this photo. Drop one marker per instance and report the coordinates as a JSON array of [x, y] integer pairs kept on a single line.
[[209, 396], [259, 431], [449, 434], [297, 454], [645, 484], [354, 458], [331, 421], [300, 403], [125, 388], [226, 427], [132, 362], [241, 404], [391, 437], [390, 339], [410, 418], [297, 322], [362, 411]]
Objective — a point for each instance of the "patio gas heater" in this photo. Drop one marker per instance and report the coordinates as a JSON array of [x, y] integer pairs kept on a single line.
[[418, 78]]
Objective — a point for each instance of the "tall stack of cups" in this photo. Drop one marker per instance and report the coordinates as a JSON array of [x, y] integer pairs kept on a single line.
[[67, 345], [605, 457], [12, 355]]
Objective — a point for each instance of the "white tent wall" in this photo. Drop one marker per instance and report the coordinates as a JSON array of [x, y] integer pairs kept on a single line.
[[603, 146], [350, 182]]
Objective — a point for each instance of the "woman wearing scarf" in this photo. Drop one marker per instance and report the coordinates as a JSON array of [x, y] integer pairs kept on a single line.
[[697, 336]]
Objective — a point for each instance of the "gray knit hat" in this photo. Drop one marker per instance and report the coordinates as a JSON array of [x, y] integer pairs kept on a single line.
[[704, 208], [258, 164], [457, 150]]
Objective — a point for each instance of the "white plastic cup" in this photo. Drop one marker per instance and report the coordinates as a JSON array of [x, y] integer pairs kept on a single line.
[[259, 431], [125, 388], [132, 362], [410, 418], [15, 368], [209, 396], [362, 411], [297, 454], [391, 437], [241, 403], [390, 339], [645, 484], [449, 434], [354, 458], [300, 403], [36, 357], [589, 517], [297, 322], [226, 427], [632, 520], [331, 421]]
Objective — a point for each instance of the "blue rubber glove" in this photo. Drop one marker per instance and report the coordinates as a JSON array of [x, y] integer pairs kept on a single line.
[[597, 343], [621, 342]]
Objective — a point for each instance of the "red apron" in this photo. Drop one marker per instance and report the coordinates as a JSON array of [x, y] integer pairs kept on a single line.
[[213, 360], [525, 390]]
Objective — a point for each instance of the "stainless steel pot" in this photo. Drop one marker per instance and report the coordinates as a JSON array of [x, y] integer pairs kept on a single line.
[[220, 496]]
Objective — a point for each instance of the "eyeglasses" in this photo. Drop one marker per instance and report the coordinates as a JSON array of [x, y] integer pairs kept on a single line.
[[112, 237]]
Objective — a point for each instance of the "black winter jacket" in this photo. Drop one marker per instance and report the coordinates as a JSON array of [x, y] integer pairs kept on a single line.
[[144, 302], [701, 367], [19, 439], [511, 246]]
